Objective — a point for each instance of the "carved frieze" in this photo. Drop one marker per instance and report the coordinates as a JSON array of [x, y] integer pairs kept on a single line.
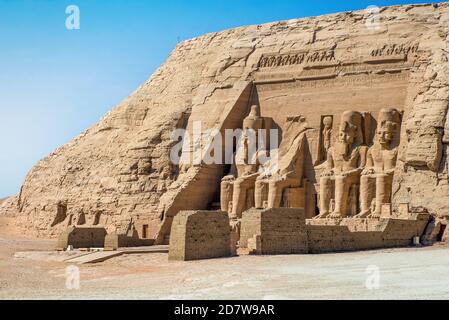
[[297, 58], [387, 53]]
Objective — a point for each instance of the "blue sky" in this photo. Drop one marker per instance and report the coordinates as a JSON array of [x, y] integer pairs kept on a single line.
[[55, 83]]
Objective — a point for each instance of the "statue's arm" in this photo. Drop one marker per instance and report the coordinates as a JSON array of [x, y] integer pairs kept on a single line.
[[232, 174], [362, 157]]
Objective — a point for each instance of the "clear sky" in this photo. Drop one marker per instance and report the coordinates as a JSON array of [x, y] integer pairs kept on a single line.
[[55, 83]]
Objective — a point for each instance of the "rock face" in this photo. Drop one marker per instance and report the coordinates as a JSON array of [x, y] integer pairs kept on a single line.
[[118, 174]]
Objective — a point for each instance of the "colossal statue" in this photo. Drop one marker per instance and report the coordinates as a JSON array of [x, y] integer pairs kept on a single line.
[[237, 189], [377, 177], [345, 162], [280, 184]]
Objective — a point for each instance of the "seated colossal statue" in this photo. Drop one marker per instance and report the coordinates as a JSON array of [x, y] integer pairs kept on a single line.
[[237, 189], [340, 179], [377, 177], [281, 181]]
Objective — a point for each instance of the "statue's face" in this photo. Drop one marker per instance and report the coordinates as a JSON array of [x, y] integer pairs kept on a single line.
[[347, 133], [385, 134]]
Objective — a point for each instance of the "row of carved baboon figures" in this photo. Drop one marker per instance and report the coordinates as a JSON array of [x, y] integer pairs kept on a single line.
[[354, 179], [294, 59]]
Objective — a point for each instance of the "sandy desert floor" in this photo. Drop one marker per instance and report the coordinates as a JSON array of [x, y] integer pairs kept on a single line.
[[410, 273]]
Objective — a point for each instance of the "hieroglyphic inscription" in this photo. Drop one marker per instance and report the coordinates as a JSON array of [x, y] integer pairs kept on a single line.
[[390, 52], [279, 60], [394, 50]]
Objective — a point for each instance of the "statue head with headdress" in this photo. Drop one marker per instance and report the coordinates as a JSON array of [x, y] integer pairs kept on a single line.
[[388, 125], [350, 130], [253, 121]]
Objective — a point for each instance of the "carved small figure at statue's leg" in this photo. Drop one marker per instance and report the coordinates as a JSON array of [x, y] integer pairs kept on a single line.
[[260, 193], [373, 209]]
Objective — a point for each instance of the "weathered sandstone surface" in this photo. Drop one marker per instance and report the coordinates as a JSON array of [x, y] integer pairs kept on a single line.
[[119, 174]]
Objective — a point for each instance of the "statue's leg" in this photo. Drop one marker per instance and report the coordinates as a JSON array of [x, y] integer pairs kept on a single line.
[[341, 196], [367, 185], [225, 195], [383, 192], [238, 199], [275, 192], [325, 196], [259, 193]]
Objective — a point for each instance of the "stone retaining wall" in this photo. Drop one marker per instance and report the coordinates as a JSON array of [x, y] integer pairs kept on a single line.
[[199, 235]]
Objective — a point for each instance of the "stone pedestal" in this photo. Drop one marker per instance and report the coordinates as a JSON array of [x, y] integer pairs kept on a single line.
[[274, 231], [197, 235]]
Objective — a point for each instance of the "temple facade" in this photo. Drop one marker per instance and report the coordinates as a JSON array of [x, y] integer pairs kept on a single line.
[[360, 113]]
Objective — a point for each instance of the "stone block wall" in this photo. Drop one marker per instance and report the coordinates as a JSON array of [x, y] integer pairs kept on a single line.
[[115, 241], [274, 231], [285, 231], [364, 234], [199, 235], [79, 237]]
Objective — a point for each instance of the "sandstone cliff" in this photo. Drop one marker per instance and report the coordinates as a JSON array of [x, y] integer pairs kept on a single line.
[[119, 173]]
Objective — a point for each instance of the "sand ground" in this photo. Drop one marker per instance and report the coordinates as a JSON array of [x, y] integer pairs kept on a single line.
[[410, 273]]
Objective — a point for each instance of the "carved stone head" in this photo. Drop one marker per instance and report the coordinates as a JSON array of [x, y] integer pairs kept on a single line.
[[389, 122], [253, 121], [347, 133], [327, 122], [350, 128]]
